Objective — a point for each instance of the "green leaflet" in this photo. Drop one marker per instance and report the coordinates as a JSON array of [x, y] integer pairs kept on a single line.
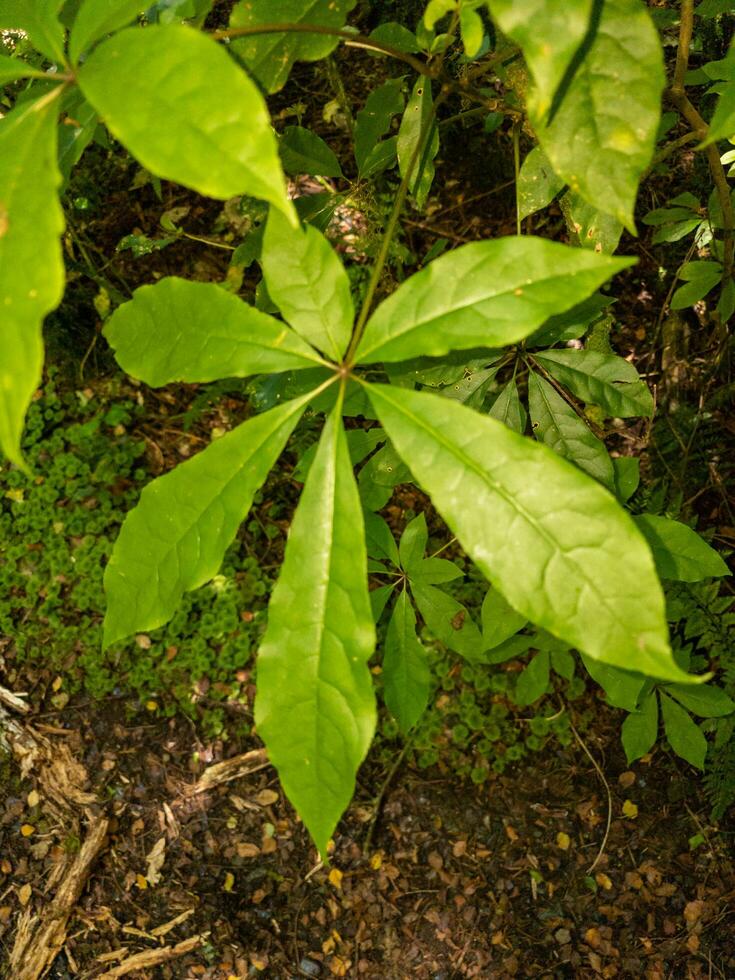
[[557, 425], [641, 728], [185, 110], [406, 673], [270, 57], [622, 688], [590, 227], [605, 380], [507, 408], [601, 139], [486, 294], [309, 284], [373, 122], [303, 152], [549, 32], [315, 706], [554, 542], [722, 125], [449, 621], [537, 183], [31, 266], [413, 543], [415, 123], [685, 736], [11, 69], [706, 701], [174, 540], [534, 681], [678, 551], [39, 19], [499, 620], [196, 331], [96, 18]]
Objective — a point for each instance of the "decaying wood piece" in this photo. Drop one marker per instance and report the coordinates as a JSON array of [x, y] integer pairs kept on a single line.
[[40, 937], [224, 772], [152, 957]]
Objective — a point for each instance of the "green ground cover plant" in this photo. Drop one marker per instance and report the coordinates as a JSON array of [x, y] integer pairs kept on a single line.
[[461, 379]]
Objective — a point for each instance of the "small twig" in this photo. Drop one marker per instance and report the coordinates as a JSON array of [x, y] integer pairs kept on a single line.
[[605, 783], [153, 957], [224, 772]]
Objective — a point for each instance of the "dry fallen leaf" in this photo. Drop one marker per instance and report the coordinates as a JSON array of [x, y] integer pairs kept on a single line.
[[245, 850], [335, 877], [229, 882], [563, 840], [603, 881], [24, 894], [266, 797], [155, 858]]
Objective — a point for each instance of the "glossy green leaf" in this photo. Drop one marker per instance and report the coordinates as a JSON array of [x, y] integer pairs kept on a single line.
[[406, 673], [39, 19], [418, 126], [179, 330], [379, 599], [705, 701], [31, 267], [373, 122], [684, 735], [76, 131], [627, 476], [678, 551], [640, 729], [557, 425], [395, 36], [472, 30], [563, 663], [554, 542], [448, 620], [309, 284], [207, 129], [174, 540], [602, 138], [303, 152], [572, 324], [500, 621], [379, 475], [315, 706], [622, 688], [537, 184], [270, 57], [413, 543], [605, 380], [533, 682], [549, 32], [507, 408], [485, 294], [11, 69], [97, 18]]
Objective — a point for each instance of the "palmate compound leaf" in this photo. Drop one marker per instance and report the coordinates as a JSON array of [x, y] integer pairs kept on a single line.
[[31, 267], [187, 112], [174, 540], [602, 138], [315, 706], [485, 294], [550, 539], [308, 283], [179, 330]]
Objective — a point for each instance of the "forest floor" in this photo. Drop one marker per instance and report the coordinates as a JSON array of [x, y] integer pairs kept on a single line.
[[560, 867]]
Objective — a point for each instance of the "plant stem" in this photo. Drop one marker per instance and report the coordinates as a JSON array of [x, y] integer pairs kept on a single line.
[[390, 231], [699, 126]]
